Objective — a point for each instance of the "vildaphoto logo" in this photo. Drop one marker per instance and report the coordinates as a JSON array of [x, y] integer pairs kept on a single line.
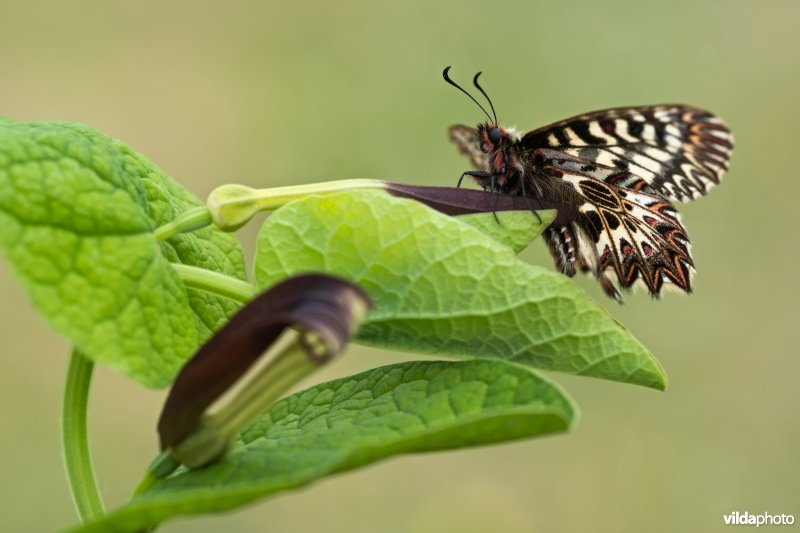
[[764, 519]]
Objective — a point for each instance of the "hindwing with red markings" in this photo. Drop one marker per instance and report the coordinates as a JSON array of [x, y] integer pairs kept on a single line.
[[637, 235]]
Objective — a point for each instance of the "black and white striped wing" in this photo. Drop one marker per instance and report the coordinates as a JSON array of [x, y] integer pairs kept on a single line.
[[681, 152]]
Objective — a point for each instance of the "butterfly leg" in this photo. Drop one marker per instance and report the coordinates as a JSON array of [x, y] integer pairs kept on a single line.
[[484, 179], [479, 175], [494, 197], [527, 200]]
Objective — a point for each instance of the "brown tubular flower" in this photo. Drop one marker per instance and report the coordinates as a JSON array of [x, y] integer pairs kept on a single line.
[[324, 311], [457, 201]]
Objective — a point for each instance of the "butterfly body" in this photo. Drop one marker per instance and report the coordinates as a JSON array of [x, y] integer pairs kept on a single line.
[[621, 167]]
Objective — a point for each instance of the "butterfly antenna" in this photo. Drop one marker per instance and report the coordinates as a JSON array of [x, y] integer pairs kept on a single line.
[[475, 82], [457, 86]]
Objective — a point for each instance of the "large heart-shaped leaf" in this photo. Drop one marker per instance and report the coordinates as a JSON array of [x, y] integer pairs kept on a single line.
[[442, 286]]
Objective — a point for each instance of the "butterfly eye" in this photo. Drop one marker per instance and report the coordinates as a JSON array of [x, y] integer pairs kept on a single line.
[[495, 135]]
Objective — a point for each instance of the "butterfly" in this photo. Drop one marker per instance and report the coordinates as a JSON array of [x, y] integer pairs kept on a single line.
[[621, 168]]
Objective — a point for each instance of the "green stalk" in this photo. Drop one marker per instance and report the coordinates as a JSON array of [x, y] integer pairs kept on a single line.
[[196, 218], [215, 283], [232, 206], [75, 440]]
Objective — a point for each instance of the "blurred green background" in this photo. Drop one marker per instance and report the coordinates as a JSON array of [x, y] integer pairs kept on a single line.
[[278, 93]]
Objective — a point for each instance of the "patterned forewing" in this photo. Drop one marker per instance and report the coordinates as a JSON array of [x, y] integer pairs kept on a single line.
[[680, 152]]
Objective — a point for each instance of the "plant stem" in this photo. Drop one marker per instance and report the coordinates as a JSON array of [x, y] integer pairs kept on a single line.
[[195, 218], [275, 197], [75, 440], [232, 206], [215, 283]]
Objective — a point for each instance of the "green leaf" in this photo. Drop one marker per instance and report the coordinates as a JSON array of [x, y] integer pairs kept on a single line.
[[441, 286], [354, 421], [77, 214], [515, 229]]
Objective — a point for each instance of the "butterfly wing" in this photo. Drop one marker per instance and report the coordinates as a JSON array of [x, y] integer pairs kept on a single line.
[[466, 139], [637, 235], [680, 152]]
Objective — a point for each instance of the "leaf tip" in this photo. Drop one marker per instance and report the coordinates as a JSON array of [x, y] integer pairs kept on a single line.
[[651, 376]]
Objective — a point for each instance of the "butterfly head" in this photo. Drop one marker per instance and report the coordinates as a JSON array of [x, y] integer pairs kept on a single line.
[[491, 136], [502, 161]]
